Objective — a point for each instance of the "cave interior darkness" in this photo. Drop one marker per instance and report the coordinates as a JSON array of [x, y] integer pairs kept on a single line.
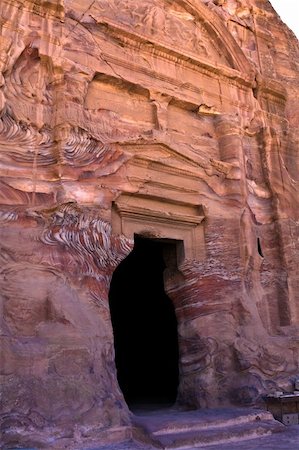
[[144, 326]]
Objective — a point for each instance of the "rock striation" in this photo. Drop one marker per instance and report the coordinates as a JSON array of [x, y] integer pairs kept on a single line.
[[171, 120]]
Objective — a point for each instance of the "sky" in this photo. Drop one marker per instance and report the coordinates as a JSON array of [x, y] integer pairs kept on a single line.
[[288, 11]]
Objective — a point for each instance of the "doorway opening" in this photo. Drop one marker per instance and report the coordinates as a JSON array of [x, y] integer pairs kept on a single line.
[[145, 326]]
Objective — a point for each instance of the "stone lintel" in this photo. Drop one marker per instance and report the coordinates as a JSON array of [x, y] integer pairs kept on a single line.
[[158, 219]]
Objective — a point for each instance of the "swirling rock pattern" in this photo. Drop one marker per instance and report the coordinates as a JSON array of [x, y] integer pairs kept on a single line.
[[171, 119]]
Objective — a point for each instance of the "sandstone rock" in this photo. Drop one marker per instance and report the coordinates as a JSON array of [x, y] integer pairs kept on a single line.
[[171, 120]]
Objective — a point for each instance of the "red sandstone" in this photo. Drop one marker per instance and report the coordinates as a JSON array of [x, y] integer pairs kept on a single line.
[[168, 119]]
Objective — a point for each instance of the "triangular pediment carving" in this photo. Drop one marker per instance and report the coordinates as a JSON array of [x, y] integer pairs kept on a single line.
[[188, 27], [171, 171], [163, 157]]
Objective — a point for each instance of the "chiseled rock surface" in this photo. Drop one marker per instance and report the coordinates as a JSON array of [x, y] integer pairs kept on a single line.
[[171, 119]]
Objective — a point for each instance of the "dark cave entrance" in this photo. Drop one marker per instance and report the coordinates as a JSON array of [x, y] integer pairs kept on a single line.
[[145, 326]]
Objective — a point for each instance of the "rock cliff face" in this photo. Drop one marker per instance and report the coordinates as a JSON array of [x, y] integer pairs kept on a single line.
[[168, 119]]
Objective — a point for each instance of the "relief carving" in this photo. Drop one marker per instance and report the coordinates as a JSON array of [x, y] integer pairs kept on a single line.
[[161, 19], [120, 118]]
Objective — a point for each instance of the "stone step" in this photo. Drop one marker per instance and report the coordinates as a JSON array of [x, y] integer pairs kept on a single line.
[[193, 423], [213, 435], [196, 429]]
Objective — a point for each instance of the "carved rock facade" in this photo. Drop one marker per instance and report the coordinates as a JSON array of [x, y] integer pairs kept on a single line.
[[169, 119]]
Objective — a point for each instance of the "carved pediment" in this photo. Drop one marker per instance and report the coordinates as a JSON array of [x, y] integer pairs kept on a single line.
[[162, 157], [166, 21], [171, 171], [188, 28]]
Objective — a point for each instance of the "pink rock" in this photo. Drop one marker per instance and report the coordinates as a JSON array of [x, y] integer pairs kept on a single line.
[[174, 121]]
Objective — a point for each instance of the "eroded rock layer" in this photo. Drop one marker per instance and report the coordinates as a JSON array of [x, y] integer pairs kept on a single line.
[[172, 120]]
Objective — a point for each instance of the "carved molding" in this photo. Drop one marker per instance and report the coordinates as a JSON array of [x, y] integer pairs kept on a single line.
[[160, 219], [164, 50], [207, 19]]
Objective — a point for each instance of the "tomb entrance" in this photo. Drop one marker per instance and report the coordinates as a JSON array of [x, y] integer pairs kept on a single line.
[[145, 325]]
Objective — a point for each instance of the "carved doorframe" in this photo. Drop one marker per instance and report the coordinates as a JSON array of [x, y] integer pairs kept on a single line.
[[182, 225], [160, 219]]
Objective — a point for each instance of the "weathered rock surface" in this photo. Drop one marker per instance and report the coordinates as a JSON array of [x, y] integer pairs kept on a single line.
[[169, 119], [202, 428]]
